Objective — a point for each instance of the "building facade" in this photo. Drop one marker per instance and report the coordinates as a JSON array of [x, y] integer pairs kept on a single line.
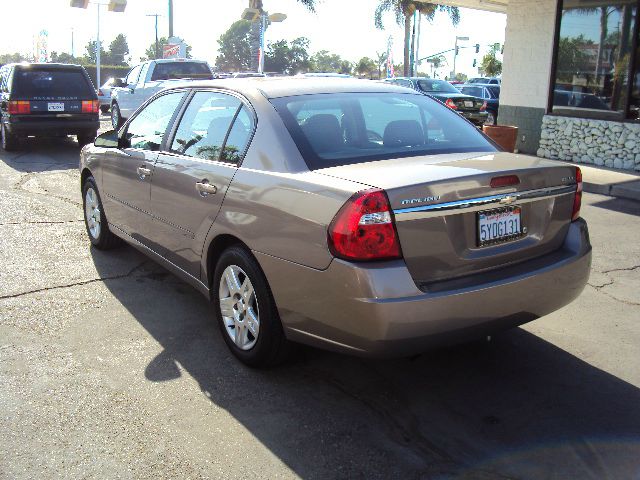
[[571, 78]]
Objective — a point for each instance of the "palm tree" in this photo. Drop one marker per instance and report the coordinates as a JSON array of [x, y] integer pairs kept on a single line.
[[404, 10], [255, 27]]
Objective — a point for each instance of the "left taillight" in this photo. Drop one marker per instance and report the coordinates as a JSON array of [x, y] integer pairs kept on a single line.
[[19, 107], [90, 106], [577, 199], [484, 106], [451, 104], [363, 229]]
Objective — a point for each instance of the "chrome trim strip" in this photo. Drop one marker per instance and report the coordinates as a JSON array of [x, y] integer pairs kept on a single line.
[[473, 203]]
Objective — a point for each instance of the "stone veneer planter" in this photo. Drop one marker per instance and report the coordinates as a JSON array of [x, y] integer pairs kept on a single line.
[[597, 142]]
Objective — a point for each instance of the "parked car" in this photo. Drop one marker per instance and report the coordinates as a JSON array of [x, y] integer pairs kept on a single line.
[[346, 214], [490, 94], [104, 93], [248, 74], [46, 100], [485, 80], [324, 74], [471, 108], [148, 78]]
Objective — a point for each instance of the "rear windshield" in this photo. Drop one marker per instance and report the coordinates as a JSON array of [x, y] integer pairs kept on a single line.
[[344, 128], [473, 91], [437, 86], [40, 82], [172, 71]]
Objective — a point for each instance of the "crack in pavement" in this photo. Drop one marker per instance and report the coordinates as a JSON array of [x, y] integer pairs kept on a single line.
[[44, 222], [627, 269], [85, 282]]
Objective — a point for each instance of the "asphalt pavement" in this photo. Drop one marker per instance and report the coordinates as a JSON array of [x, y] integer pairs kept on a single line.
[[111, 367]]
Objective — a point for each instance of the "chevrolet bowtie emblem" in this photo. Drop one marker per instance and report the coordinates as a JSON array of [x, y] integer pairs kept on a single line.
[[508, 200]]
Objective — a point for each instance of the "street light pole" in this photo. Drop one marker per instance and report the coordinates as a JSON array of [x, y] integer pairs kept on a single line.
[[455, 54], [170, 18], [156, 15], [98, 50]]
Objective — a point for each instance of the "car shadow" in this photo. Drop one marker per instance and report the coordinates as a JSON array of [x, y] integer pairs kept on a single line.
[[517, 407], [43, 154], [619, 205]]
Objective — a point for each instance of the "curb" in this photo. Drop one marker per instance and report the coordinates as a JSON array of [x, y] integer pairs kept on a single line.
[[628, 191]]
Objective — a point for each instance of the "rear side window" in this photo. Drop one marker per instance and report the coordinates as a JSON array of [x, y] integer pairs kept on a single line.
[[175, 70], [39, 82], [473, 91], [344, 128], [148, 127], [204, 130]]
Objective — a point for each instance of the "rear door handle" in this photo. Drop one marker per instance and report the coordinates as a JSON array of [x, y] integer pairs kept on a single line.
[[205, 188], [143, 172]]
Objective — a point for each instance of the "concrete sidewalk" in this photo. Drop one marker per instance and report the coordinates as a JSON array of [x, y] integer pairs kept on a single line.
[[614, 183]]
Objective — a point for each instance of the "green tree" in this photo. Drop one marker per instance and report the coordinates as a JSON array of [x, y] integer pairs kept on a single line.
[[324, 61], [234, 48], [254, 35], [381, 62], [118, 51], [63, 57], [403, 11], [346, 67], [572, 57], [490, 64], [366, 67], [288, 58], [91, 50], [12, 58]]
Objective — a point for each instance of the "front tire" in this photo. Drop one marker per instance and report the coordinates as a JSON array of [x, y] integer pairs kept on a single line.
[[116, 117], [10, 143], [245, 310], [491, 119], [95, 220]]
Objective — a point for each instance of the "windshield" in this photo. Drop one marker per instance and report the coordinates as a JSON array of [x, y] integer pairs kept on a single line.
[[176, 70], [344, 128], [42, 82], [436, 86]]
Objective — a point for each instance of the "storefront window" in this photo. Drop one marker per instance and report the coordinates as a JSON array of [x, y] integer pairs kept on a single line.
[[594, 58]]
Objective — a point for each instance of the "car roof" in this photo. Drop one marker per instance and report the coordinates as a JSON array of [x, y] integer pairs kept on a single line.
[[492, 85], [176, 60], [289, 86], [52, 66]]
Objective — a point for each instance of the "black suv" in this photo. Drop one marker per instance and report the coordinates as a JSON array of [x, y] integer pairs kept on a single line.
[[46, 99]]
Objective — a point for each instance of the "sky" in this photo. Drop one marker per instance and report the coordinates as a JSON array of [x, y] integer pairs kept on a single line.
[[344, 27]]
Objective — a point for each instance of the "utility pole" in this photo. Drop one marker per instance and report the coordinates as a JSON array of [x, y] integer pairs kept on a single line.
[[170, 18], [72, 50], [156, 15], [455, 54]]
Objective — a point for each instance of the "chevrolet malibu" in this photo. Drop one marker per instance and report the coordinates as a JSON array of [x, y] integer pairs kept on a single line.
[[344, 214]]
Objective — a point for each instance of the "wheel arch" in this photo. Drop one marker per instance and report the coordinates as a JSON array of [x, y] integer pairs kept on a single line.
[[213, 252], [86, 173]]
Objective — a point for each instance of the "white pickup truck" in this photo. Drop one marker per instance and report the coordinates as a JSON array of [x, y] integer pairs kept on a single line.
[[146, 79]]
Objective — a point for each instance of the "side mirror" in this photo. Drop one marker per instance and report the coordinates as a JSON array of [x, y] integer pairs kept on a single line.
[[107, 140], [118, 82]]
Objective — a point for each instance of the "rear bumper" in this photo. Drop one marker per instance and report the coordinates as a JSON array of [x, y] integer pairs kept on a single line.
[[52, 126], [477, 118], [377, 309]]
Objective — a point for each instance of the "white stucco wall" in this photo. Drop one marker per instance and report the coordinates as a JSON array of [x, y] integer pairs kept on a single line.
[[528, 49]]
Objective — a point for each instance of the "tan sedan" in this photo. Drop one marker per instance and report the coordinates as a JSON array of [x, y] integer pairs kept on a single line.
[[345, 214]]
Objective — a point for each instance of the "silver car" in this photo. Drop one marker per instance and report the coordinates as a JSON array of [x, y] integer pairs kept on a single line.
[[345, 214]]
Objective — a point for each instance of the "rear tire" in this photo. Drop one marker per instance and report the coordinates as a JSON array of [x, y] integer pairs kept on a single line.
[[95, 220], [251, 326], [116, 117], [10, 143], [491, 119]]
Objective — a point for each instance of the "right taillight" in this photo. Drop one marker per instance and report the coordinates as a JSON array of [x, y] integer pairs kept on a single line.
[[19, 107], [577, 199], [363, 229], [451, 104]]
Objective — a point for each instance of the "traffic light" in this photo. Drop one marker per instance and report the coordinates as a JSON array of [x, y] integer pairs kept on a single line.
[[117, 5], [474, 62], [457, 49], [80, 3], [477, 48]]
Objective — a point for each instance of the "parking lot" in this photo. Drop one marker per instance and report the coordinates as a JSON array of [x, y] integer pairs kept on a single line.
[[110, 367]]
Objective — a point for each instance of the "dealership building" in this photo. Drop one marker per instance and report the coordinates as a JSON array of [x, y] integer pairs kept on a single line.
[[571, 78]]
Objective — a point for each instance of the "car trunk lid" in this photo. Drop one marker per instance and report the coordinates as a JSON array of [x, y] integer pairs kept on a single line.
[[438, 202]]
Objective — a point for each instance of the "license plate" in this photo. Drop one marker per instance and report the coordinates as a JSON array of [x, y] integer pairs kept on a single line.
[[500, 225], [55, 107], [468, 104]]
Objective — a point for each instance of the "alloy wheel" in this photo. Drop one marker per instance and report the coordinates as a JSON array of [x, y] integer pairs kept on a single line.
[[92, 213], [239, 307]]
